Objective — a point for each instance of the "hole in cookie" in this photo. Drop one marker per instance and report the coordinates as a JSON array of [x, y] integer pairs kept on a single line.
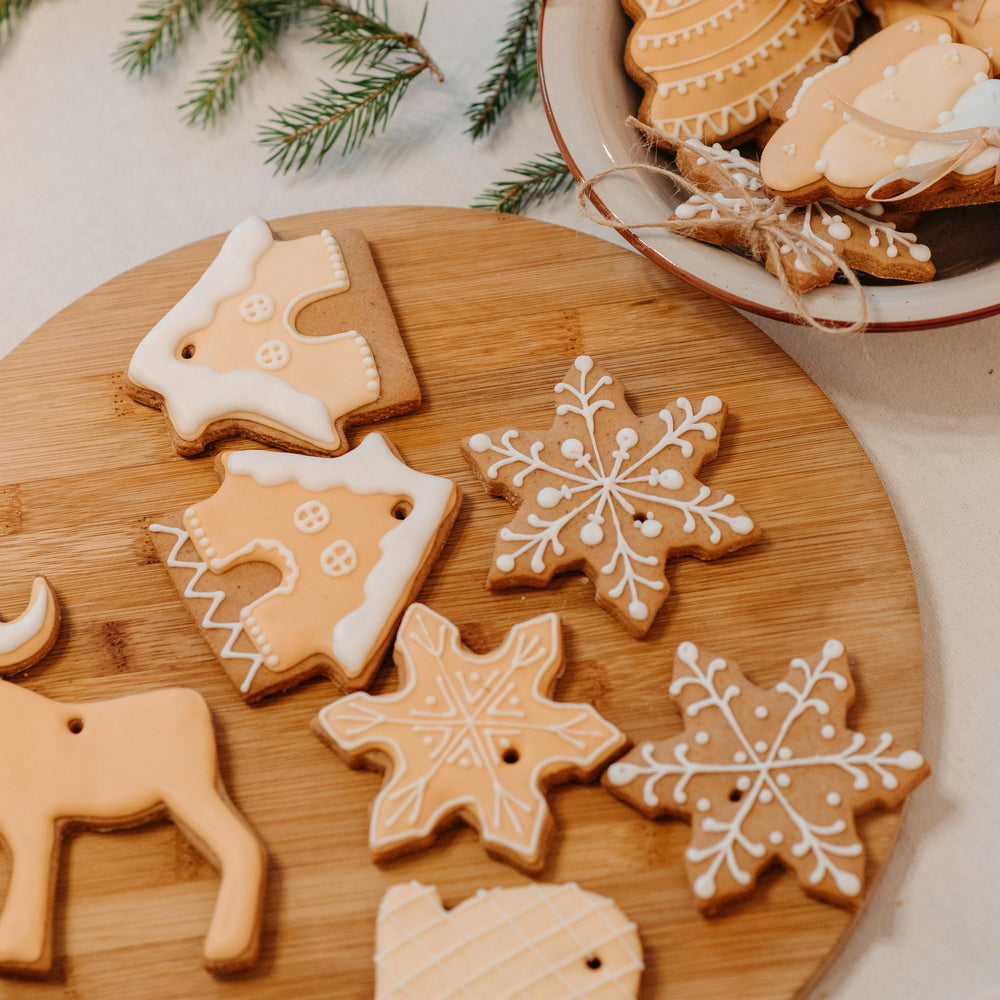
[[638, 518], [402, 510], [593, 962], [735, 795], [511, 756], [187, 352], [75, 725]]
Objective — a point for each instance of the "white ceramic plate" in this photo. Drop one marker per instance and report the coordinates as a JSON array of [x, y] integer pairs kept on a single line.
[[588, 96]]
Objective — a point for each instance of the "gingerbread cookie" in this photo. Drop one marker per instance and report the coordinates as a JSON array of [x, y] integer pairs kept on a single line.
[[710, 69], [975, 22], [301, 565], [27, 638], [767, 775], [867, 128], [108, 765], [610, 493], [537, 940], [470, 736], [872, 240], [286, 342]]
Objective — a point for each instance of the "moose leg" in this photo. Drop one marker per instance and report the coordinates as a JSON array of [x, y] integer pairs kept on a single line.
[[25, 924], [216, 827]]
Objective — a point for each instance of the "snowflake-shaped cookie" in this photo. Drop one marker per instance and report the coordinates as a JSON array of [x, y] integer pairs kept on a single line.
[[469, 735], [767, 775], [609, 492]]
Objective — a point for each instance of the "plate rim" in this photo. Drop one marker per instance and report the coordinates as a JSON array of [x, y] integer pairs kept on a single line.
[[738, 301]]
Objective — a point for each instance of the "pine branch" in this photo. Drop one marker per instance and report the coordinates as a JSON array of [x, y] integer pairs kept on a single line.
[[9, 9], [253, 27], [514, 74], [332, 115], [543, 177], [360, 37], [160, 31]]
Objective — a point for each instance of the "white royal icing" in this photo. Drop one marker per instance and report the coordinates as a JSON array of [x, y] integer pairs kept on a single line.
[[768, 771], [536, 940], [196, 394], [810, 248], [370, 468], [978, 107], [23, 629], [612, 488]]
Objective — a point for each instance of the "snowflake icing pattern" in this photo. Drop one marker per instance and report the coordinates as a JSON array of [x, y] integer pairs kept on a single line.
[[767, 774], [609, 491], [472, 735]]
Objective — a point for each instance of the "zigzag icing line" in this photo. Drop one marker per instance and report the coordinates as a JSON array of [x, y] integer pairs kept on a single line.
[[216, 597]]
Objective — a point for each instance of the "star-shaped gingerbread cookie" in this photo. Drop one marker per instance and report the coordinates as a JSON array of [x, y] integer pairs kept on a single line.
[[609, 492], [475, 736], [767, 775]]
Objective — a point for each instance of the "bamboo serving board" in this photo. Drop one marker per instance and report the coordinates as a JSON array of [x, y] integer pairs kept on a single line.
[[493, 310]]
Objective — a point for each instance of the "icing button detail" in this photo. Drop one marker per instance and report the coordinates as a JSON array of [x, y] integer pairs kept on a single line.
[[339, 558], [257, 308], [273, 355], [311, 516]]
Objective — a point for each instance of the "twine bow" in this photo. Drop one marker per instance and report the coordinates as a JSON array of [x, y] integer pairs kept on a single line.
[[763, 225], [974, 141]]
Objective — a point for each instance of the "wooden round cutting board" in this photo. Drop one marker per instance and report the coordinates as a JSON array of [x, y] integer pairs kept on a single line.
[[493, 310]]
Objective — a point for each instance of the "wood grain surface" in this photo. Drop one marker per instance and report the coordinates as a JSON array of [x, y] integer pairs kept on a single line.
[[492, 310]]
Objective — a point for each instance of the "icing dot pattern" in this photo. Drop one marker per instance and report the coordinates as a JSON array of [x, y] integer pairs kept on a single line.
[[791, 789]]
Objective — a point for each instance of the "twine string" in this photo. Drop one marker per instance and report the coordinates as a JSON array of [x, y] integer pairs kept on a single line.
[[762, 224], [973, 141]]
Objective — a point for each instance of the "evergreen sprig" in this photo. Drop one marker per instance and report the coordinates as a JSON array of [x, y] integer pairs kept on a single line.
[[9, 9], [543, 177], [159, 31], [514, 74], [253, 28], [345, 114], [360, 37], [384, 63]]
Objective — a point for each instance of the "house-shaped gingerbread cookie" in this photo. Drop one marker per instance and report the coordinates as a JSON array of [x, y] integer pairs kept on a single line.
[[286, 342]]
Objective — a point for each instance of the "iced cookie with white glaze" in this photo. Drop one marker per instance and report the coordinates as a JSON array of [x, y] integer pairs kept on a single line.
[[767, 775], [608, 492], [731, 195], [109, 765], [711, 69], [286, 342], [301, 565], [906, 117], [470, 736], [533, 941], [975, 22]]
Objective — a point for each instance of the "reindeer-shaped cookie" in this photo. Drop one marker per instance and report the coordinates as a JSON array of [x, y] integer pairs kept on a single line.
[[108, 765]]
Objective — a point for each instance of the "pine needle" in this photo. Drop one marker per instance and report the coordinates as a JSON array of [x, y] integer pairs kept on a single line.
[[384, 62], [9, 9], [360, 37], [514, 74], [536, 180], [160, 30], [253, 27], [347, 115]]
